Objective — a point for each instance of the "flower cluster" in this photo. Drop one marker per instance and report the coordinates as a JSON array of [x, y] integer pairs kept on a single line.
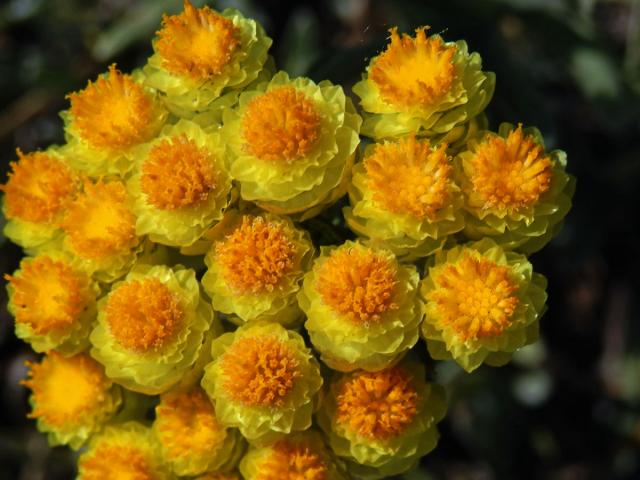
[[193, 319]]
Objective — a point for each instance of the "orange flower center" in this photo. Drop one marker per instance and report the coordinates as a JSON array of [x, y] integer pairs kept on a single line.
[[48, 295], [293, 461], [358, 283], [256, 256], [377, 405], [39, 188], [177, 173], [98, 222], [186, 425], [474, 297], [115, 462], [507, 174], [414, 72], [66, 389], [198, 43], [259, 371], [280, 125], [410, 177], [143, 315]]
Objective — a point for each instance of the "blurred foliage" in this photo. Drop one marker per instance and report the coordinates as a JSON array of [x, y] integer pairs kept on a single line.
[[567, 408]]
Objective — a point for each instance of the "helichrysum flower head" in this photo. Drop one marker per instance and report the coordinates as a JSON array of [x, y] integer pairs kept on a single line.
[[382, 422], [180, 186], [151, 328], [71, 397], [53, 302], [192, 439], [123, 451], [404, 197], [263, 380], [422, 84], [201, 53], [292, 144], [100, 231], [301, 456], [482, 304], [109, 120], [39, 188], [255, 267], [514, 190], [362, 307]]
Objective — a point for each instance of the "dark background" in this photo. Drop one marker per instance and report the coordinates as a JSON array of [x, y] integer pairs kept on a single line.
[[567, 408]]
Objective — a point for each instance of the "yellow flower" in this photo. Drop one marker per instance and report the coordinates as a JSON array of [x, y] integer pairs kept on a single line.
[[263, 380], [200, 54], [71, 398], [192, 439], [482, 304], [36, 194], [291, 144], [219, 476], [123, 451], [301, 456], [151, 328], [53, 302], [99, 229], [180, 186], [514, 190], [109, 120], [422, 85], [403, 197], [382, 422], [362, 307], [255, 267]]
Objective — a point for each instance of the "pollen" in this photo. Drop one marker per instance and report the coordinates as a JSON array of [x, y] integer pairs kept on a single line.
[[293, 461], [98, 222], [259, 371], [410, 177], [474, 297], [358, 283], [177, 173], [281, 125], [414, 72], [113, 113], [256, 256], [66, 389], [116, 462], [198, 43], [377, 405], [39, 188], [186, 425], [508, 174], [48, 295], [143, 315]]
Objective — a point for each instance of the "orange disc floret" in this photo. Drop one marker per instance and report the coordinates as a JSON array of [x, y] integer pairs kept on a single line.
[[198, 43], [98, 222], [143, 315], [66, 388], [186, 424], [293, 461], [39, 188], [410, 177], [115, 462], [474, 297], [377, 405], [256, 255], [507, 174], [259, 371], [113, 113], [358, 283], [48, 295], [414, 72], [282, 124], [177, 173]]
